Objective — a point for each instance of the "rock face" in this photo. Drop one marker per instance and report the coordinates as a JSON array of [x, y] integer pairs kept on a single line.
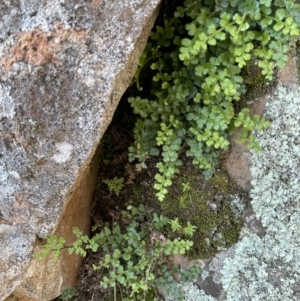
[[64, 66], [238, 161], [238, 165]]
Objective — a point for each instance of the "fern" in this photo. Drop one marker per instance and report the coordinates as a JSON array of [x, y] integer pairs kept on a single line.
[[195, 80]]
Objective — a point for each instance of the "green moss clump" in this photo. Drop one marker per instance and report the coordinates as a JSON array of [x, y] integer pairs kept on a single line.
[[151, 295], [256, 83], [206, 204]]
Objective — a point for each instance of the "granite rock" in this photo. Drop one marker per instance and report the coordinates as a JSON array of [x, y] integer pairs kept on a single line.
[[64, 66]]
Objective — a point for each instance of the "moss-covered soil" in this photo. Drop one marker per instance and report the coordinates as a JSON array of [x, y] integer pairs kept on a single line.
[[206, 204]]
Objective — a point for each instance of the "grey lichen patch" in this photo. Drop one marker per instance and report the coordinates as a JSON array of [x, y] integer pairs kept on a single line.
[[267, 268], [7, 106], [192, 293], [64, 152], [15, 249], [4, 174]]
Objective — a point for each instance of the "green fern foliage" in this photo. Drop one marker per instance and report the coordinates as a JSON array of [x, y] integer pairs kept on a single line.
[[195, 60], [114, 185], [133, 257]]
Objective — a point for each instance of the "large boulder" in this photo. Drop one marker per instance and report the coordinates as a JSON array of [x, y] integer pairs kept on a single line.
[[64, 65]]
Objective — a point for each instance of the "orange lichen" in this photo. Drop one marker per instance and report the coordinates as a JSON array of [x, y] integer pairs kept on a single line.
[[38, 47], [95, 3]]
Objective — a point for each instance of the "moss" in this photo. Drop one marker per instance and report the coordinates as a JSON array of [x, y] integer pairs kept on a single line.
[[206, 204], [151, 295], [256, 83]]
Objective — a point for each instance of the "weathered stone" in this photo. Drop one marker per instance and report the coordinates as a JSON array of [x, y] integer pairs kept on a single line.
[[238, 166], [45, 278], [238, 161], [64, 66]]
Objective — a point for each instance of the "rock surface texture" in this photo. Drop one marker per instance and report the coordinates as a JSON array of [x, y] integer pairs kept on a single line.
[[264, 265], [238, 162], [64, 66]]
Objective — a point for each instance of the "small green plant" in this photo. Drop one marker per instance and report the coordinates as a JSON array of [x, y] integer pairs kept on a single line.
[[53, 246], [248, 125], [68, 294], [114, 185], [134, 254], [194, 62]]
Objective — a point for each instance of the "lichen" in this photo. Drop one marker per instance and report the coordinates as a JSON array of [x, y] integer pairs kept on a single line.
[[267, 268], [192, 293], [3, 171], [38, 48]]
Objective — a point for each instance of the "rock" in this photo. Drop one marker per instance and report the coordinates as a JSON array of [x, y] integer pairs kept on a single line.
[[210, 280], [238, 166], [288, 76], [46, 278], [237, 162], [64, 66]]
